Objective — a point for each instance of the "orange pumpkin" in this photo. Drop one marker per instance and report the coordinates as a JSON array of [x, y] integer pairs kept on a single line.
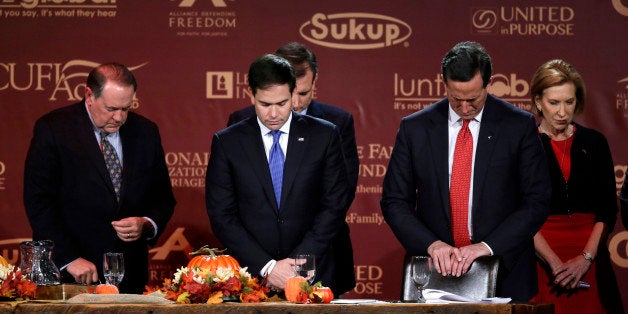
[[294, 289], [106, 289], [324, 293], [207, 259]]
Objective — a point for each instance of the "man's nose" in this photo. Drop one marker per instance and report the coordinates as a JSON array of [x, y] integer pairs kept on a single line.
[[465, 105], [296, 102], [117, 115], [273, 111]]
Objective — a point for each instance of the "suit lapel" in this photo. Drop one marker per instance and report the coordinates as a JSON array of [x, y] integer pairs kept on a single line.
[[297, 143], [130, 148], [485, 145], [438, 135], [87, 139], [253, 147]]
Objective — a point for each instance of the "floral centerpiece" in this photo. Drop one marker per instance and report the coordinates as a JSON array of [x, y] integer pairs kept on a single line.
[[13, 284], [211, 278], [299, 290]]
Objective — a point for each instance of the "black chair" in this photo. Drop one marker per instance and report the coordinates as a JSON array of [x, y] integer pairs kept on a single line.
[[478, 283]]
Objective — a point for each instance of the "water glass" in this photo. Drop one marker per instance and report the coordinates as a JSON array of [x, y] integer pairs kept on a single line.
[[113, 268], [305, 266], [421, 268]]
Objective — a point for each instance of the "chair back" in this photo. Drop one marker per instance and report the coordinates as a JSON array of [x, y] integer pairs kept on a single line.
[[478, 283]]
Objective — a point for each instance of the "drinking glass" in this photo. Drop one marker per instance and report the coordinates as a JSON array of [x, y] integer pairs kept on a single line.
[[305, 266], [113, 268], [421, 268]]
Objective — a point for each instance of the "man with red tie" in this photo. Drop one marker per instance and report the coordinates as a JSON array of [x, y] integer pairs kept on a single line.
[[468, 178]]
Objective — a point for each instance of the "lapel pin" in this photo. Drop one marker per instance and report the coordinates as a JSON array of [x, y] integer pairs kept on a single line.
[[300, 139], [490, 137]]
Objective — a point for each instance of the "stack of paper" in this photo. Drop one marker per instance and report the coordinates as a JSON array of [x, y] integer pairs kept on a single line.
[[439, 296]]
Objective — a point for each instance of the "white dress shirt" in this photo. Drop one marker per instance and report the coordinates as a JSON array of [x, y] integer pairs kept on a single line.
[[267, 138]]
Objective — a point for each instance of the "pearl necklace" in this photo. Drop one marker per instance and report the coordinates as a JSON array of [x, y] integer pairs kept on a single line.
[[568, 132]]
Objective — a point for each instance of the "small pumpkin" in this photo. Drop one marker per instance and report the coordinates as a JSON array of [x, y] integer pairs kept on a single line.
[[106, 289], [294, 289], [323, 293], [207, 259]]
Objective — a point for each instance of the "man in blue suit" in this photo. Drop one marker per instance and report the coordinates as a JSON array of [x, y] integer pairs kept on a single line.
[[305, 67], [264, 223], [509, 187]]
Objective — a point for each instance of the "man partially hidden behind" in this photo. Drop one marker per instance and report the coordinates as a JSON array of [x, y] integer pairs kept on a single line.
[[96, 181], [468, 177], [276, 184]]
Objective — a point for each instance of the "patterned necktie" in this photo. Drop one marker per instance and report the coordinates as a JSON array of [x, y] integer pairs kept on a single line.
[[275, 163], [460, 185], [112, 162]]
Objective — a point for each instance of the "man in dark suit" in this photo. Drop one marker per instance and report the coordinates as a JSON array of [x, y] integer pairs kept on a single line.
[[263, 222], [305, 67], [507, 197], [70, 196]]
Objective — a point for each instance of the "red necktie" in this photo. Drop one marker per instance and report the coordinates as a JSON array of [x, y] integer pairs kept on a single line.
[[460, 185]]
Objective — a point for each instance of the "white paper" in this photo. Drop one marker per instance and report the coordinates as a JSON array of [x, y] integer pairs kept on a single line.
[[355, 301], [440, 296]]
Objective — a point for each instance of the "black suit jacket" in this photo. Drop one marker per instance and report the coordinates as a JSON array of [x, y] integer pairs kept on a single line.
[[338, 116], [511, 188], [345, 125], [69, 197], [241, 203]]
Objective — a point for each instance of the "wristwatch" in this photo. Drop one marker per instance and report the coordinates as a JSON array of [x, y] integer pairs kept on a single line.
[[588, 256]]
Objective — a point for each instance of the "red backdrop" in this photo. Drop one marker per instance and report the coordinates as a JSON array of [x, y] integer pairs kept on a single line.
[[378, 59]]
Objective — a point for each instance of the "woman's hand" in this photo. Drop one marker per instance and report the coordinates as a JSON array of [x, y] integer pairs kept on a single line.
[[571, 272]]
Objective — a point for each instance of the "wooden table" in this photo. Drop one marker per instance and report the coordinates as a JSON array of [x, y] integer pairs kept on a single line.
[[278, 307]]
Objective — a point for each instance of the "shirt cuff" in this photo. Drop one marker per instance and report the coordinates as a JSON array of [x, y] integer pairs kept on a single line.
[[68, 264], [488, 247], [149, 237], [268, 268]]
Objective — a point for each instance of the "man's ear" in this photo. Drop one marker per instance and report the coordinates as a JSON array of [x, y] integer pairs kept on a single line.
[[251, 95]]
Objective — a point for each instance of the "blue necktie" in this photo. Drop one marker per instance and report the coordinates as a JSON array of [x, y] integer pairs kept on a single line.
[[275, 163], [112, 162]]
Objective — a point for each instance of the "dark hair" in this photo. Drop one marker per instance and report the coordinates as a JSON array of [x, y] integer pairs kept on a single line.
[[269, 70], [553, 73], [464, 60], [112, 71], [300, 57]]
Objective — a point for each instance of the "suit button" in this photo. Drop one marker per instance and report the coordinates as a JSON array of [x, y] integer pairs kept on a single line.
[[279, 221]]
